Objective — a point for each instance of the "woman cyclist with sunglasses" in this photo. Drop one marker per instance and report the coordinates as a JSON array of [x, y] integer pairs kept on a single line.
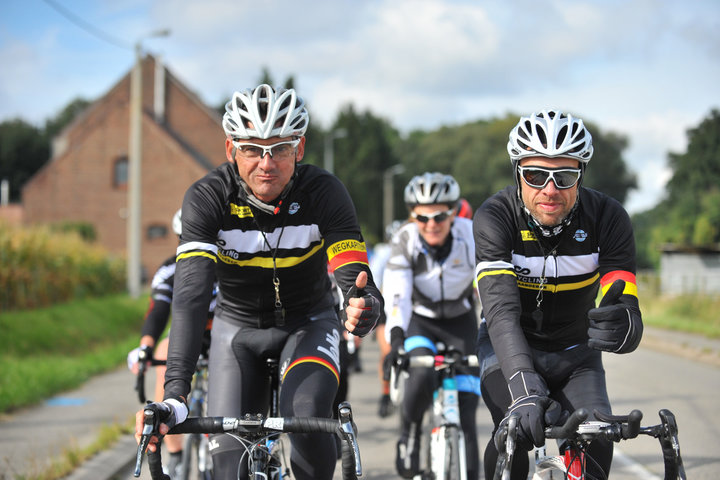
[[428, 291], [544, 247]]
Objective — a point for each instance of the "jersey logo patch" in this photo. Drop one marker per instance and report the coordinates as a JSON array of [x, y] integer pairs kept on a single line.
[[241, 211], [528, 235], [580, 235], [294, 207]]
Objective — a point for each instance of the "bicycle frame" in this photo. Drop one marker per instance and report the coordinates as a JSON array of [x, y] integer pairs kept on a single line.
[[446, 449]]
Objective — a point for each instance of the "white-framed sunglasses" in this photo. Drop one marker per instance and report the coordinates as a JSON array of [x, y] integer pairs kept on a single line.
[[280, 150], [439, 217], [538, 177]]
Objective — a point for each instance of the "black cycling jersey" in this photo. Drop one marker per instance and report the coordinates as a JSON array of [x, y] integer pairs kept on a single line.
[[161, 295], [513, 260], [313, 225]]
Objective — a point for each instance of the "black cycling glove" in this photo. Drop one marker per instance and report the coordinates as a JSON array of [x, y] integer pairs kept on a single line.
[[615, 326], [534, 409], [396, 353], [371, 312], [170, 411]]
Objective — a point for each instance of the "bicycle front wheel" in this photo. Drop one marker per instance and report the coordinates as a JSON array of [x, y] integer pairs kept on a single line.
[[454, 462], [196, 462]]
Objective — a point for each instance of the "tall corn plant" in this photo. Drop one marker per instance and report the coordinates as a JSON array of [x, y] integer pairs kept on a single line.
[[39, 267]]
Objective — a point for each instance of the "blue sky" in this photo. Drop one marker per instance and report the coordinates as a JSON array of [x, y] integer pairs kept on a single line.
[[646, 69]]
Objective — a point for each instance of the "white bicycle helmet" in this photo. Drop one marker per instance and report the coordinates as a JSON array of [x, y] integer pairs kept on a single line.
[[431, 188], [265, 112], [550, 133], [177, 222]]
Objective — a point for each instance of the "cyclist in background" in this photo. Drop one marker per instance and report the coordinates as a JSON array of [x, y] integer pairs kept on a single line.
[[544, 247], [429, 292], [268, 226], [156, 319]]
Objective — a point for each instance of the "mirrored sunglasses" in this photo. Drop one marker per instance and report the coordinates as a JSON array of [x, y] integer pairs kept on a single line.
[[280, 149], [439, 217], [538, 177]]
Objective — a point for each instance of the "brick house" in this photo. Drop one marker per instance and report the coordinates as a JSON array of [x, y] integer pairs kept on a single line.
[[86, 177]]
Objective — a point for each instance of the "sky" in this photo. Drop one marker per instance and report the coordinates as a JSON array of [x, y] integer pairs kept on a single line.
[[646, 69]]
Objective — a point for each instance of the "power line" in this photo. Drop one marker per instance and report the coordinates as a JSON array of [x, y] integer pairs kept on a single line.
[[87, 27]]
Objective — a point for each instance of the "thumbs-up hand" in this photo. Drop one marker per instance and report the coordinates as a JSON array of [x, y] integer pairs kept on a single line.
[[614, 326], [360, 310]]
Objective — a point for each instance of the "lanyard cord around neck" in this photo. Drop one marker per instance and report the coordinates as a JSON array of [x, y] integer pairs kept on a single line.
[[279, 311], [537, 314]]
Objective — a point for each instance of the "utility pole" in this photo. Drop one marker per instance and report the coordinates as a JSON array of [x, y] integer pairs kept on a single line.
[[388, 200], [134, 221], [329, 151]]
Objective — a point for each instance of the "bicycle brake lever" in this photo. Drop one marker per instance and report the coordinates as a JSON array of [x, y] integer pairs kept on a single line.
[[348, 428], [148, 430]]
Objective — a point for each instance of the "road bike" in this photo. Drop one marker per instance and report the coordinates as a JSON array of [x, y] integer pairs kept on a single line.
[[445, 459], [260, 436], [576, 434], [196, 461], [255, 431]]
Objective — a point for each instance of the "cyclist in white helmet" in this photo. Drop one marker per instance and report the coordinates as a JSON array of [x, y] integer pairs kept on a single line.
[[268, 227], [428, 287], [544, 247]]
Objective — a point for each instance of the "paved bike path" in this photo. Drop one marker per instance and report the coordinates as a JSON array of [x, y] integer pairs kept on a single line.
[[32, 437]]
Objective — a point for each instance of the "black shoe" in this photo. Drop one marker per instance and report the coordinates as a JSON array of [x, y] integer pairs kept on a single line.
[[385, 407], [407, 459]]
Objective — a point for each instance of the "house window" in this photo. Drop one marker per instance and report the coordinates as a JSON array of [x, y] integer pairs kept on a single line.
[[120, 172], [156, 231]]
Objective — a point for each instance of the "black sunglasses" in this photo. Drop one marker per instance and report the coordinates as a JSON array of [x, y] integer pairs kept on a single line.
[[538, 177], [439, 217]]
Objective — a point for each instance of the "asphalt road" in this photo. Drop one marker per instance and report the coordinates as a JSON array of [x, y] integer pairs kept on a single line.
[[647, 379]]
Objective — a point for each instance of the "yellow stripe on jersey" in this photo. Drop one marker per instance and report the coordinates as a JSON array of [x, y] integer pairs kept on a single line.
[[183, 256], [495, 272], [267, 262], [563, 287]]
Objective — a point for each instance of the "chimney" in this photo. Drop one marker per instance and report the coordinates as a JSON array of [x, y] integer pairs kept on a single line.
[[159, 94]]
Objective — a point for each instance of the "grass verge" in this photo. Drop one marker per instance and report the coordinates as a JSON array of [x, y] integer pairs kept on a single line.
[[50, 350]]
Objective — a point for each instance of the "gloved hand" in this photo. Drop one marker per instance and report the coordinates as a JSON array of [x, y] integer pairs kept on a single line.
[[615, 326], [397, 352], [142, 353], [360, 318], [170, 411], [534, 409]]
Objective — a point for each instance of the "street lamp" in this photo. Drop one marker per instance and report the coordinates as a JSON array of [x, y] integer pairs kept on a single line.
[[134, 225], [329, 160], [388, 204]]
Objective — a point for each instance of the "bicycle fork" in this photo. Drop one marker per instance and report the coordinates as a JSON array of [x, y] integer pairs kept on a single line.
[[446, 410]]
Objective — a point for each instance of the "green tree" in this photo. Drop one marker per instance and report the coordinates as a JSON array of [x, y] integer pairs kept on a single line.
[[55, 125], [23, 150], [607, 171], [361, 158], [690, 212], [476, 155]]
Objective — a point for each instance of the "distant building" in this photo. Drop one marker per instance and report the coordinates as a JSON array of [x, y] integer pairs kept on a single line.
[[86, 178], [690, 270]]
